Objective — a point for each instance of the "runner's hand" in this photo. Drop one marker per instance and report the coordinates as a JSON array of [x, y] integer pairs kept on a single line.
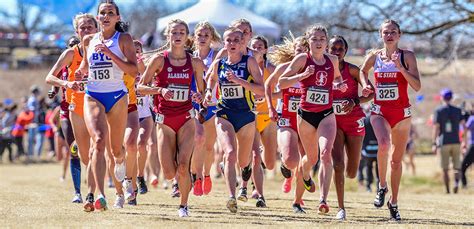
[[232, 77], [197, 97], [273, 114], [167, 94], [307, 72], [348, 105], [367, 90]]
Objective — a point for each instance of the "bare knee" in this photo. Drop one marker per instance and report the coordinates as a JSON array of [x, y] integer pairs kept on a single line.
[[396, 165], [338, 166], [326, 156], [168, 173], [290, 160], [183, 169], [230, 158], [351, 174]]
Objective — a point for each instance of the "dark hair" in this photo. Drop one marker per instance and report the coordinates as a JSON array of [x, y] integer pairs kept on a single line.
[[72, 41], [120, 26], [265, 44], [336, 38]]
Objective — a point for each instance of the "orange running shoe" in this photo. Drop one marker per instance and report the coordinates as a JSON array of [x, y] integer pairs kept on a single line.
[[198, 187], [207, 187]]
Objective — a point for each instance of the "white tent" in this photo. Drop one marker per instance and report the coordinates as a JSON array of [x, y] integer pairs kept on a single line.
[[220, 13]]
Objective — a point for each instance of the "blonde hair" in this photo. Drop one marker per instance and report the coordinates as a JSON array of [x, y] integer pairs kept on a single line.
[[390, 21], [316, 27], [230, 30], [215, 37], [285, 52], [241, 21], [75, 21], [176, 21]]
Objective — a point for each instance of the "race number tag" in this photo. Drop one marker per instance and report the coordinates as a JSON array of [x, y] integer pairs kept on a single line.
[[283, 122], [232, 91], [101, 71], [82, 86], [375, 108], [407, 112], [293, 104], [387, 92], [140, 101], [180, 92], [159, 118], [337, 107], [317, 96]]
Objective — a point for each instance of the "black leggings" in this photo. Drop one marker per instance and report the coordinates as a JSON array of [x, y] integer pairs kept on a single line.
[[6, 144], [19, 145], [466, 162]]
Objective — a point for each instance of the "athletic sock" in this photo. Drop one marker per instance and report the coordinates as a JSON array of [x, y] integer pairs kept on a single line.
[[76, 173]]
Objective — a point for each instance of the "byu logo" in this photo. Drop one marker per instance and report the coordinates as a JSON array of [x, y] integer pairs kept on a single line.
[[100, 56]]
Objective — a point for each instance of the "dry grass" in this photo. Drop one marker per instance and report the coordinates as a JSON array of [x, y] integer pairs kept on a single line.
[[32, 196]]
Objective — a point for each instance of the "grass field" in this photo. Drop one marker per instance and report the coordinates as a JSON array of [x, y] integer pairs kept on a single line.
[[32, 196]]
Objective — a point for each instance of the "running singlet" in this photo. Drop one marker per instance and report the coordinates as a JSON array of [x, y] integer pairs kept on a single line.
[[291, 102], [317, 88], [178, 80], [104, 74], [75, 63], [143, 102], [130, 83], [233, 96], [391, 88], [207, 62], [350, 93]]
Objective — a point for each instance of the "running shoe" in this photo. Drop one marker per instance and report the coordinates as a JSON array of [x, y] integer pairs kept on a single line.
[[128, 187], [197, 189], [183, 211], [242, 194], [394, 213], [323, 207], [119, 171], [246, 172], [232, 205], [143, 189], [286, 187], [261, 202], [100, 204], [89, 205], [207, 185], [341, 214], [175, 193], [154, 182], [309, 185], [298, 209], [134, 201], [285, 172], [380, 197], [77, 198], [456, 189], [74, 150], [119, 201]]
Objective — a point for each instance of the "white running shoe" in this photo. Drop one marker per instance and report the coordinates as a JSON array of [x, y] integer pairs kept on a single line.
[[119, 201], [128, 187], [183, 211], [119, 171], [341, 214], [77, 198]]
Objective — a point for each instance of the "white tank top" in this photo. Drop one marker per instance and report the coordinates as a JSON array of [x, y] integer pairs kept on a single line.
[[208, 62], [143, 106], [104, 74]]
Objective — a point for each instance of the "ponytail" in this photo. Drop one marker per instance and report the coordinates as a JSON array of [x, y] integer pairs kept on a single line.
[[121, 26]]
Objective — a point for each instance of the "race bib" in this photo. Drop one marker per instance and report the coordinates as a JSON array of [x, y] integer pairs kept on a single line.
[[180, 92], [375, 108], [283, 122], [337, 107], [71, 107], [407, 112], [293, 104], [82, 86], [159, 118], [387, 92], [140, 101], [101, 71], [317, 96], [232, 91]]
